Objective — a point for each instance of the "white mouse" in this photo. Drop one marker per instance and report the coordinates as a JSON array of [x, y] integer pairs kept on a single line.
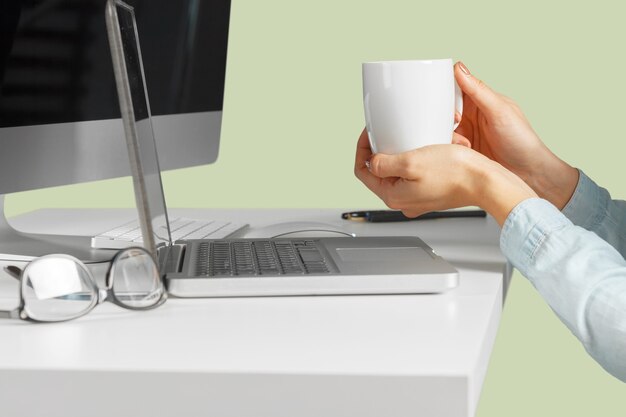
[[297, 230]]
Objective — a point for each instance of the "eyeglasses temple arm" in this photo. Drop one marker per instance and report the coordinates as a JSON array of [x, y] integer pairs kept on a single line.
[[13, 270], [10, 314]]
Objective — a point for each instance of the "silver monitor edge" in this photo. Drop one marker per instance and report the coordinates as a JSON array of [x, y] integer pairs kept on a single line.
[[41, 156]]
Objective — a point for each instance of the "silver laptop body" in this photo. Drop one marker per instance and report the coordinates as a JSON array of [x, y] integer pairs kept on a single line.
[[253, 267], [313, 266]]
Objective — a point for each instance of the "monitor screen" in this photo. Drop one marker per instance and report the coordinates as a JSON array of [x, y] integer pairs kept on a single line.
[[59, 111]]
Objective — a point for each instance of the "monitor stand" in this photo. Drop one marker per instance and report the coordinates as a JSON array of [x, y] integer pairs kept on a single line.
[[20, 247]]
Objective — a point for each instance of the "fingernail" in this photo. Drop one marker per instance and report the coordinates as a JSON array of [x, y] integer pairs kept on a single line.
[[368, 165], [463, 68]]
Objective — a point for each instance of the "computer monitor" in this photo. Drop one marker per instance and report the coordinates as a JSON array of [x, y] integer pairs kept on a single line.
[[59, 113]]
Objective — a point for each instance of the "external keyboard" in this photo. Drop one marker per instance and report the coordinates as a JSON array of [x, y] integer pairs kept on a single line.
[[181, 228]]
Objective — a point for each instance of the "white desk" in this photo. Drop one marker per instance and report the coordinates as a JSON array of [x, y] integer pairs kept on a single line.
[[357, 356]]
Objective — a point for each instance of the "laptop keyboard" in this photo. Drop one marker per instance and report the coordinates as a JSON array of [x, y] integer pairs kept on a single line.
[[260, 257], [181, 228]]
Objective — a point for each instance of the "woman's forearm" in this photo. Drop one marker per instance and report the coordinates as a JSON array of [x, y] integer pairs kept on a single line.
[[581, 276]]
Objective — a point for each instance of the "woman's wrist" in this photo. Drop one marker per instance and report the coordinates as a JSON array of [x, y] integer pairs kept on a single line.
[[554, 180], [498, 191]]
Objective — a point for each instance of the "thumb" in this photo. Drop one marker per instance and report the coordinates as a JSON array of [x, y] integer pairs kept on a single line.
[[384, 166], [485, 98]]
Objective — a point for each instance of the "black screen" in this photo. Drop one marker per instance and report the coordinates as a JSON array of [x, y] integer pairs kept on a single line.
[[56, 65]]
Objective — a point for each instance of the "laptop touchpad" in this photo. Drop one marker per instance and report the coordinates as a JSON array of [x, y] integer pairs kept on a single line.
[[385, 254], [384, 259]]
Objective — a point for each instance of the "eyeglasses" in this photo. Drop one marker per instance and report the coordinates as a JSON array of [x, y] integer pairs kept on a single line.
[[60, 287]]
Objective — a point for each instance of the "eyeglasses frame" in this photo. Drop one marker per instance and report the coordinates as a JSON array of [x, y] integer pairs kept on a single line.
[[102, 294]]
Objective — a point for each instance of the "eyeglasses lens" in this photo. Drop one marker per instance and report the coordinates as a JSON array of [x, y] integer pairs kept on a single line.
[[136, 279], [56, 289]]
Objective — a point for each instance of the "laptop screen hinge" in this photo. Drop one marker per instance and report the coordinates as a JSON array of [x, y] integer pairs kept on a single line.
[[171, 258]]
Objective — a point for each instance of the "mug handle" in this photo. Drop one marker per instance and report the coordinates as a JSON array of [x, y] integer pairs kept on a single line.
[[458, 102]]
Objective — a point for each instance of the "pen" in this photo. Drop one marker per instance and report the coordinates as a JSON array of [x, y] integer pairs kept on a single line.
[[380, 216]]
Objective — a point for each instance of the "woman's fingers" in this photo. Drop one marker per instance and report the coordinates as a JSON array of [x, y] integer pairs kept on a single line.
[[361, 170], [398, 165], [487, 100], [461, 140], [412, 213], [363, 153]]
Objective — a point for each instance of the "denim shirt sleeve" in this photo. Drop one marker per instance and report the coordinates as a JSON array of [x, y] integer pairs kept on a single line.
[[580, 275], [591, 207]]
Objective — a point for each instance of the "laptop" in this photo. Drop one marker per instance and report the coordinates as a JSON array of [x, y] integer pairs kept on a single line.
[[253, 267]]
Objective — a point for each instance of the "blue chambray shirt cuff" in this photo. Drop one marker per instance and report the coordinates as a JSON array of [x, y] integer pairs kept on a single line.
[[526, 228], [588, 204]]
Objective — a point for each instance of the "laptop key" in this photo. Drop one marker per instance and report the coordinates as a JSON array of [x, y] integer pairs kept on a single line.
[[310, 255]]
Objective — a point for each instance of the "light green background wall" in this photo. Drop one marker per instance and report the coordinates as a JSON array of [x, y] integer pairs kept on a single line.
[[293, 112]]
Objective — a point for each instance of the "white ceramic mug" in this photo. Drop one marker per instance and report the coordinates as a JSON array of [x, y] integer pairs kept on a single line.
[[410, 104]]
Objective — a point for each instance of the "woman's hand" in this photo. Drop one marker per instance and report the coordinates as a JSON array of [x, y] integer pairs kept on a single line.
[[439, 177], [496, 127]]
